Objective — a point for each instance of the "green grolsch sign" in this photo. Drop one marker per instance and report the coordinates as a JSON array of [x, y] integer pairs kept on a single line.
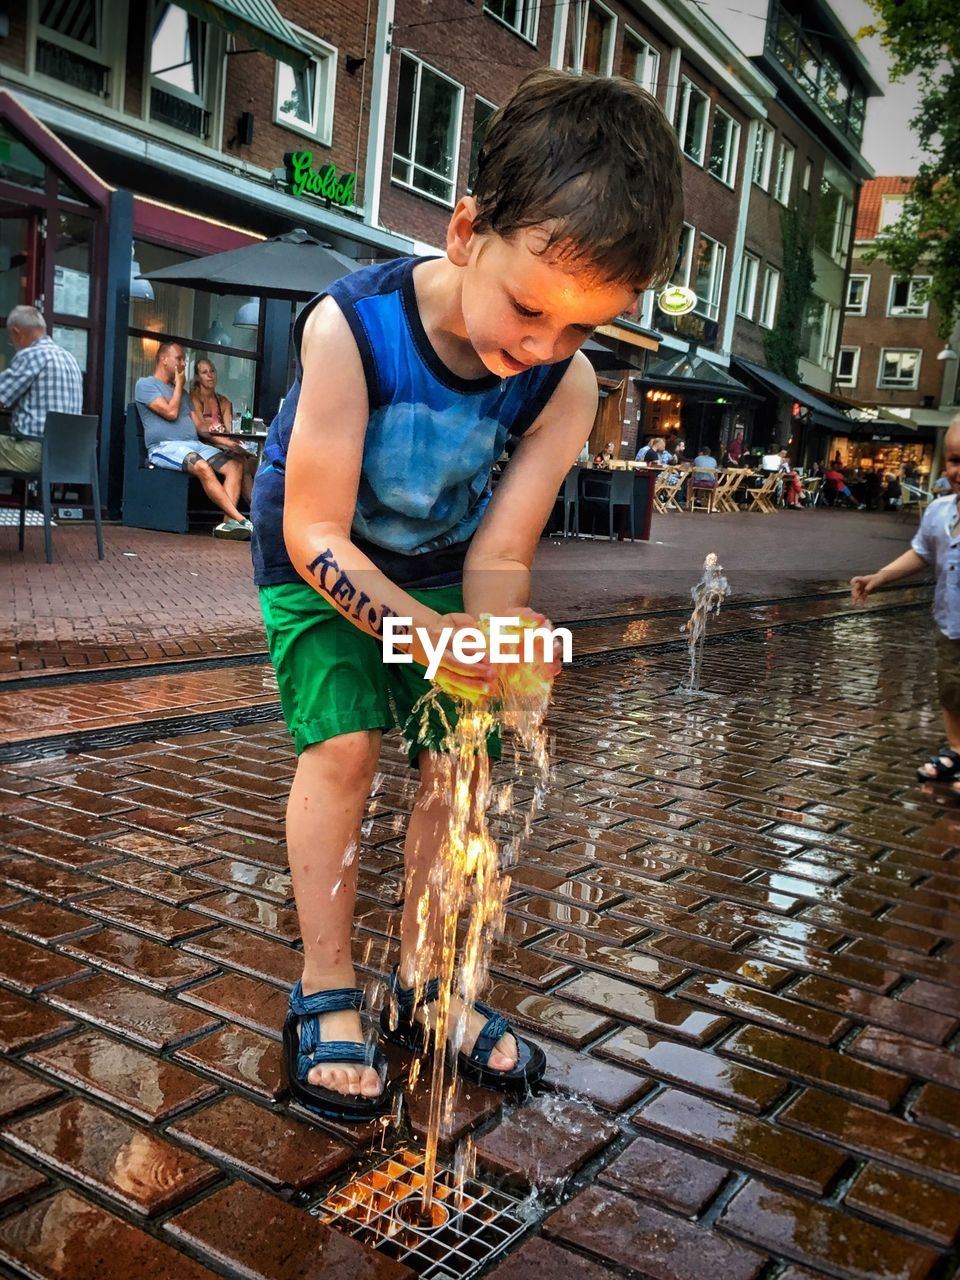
[[304, 179]]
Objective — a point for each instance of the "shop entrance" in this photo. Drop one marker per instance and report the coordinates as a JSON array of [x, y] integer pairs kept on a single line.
[[21, 266]]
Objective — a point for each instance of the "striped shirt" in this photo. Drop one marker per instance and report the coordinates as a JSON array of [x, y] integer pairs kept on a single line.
[[41, 379]]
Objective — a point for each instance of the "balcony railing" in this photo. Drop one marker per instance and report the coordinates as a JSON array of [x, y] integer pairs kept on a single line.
[[72, 68], [178, 113], [801, 57]]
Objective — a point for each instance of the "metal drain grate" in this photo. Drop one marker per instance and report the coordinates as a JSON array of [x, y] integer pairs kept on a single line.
[[471, 1224]]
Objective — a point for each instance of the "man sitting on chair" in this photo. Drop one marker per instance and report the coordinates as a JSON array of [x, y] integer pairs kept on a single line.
[[42, 378], [170, 435]]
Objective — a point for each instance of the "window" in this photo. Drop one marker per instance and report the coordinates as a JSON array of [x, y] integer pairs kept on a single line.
[[482, 111], [833, 222], [830, 321], [807, 174], [684, 263], [724, 147], [769, 295], [304, 99], [179, 65], [519, 15], [907, 297], [858, 292], [784, 179], [848, 366], [692, 119], [891, 211], [898, 369], [763, 157], [71, 45], [747, 296], [711, 256], [591, 34], [427, 134], [640, 62]]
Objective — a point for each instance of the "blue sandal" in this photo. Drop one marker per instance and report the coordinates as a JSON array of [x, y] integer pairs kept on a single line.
[[946, 767], [304, 1048], [409, 1033]]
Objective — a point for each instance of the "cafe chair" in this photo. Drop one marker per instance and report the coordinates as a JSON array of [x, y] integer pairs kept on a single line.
[[68, 457], [613, 489], [763, 499], [701, 493], [569, 498]]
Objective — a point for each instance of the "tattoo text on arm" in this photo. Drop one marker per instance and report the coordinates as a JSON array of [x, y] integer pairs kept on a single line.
[[335, 583]]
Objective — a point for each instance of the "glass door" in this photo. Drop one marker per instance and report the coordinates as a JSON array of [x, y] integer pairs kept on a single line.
[[21, 266]]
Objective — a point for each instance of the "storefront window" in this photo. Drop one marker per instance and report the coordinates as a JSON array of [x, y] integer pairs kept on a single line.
[[19, 165], [204, 323], [71, 271], [73, 340]]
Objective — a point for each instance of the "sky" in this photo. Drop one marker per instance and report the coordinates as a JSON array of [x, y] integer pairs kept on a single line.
[[888, 144]]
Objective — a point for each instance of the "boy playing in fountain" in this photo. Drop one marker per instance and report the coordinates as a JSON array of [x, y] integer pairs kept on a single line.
[[373, 500], [937, 544]]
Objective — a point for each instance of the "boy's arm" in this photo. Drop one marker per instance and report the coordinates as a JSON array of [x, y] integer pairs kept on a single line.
[[496, 577], [322, 478], [865, 585]]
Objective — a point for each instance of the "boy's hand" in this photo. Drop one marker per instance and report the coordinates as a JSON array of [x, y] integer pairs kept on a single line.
[[863, 586], [479, 677], [540, 620]]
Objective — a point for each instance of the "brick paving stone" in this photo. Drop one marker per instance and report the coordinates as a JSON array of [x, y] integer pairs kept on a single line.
[[842, 967], [528, 966], [169, 887], [700, 955], [608, 1225], [538, 1258], [936, 1105], [780, 1012], [28, 969], [240, 1057], [250, 954], [24, 1024], [678, 1017], [744, 1087], [823, 1236], [557, 1019], [896, 1198], [240, 999], [276, 1149], [562, 915], [634, 965], [129, 1011], [145, 915], [163, 852], [888, 1047], [17, 1179], [44, 922], [742, 1140], [929, 995], [130, 956], [601, 1083], [544, 1141], [252, 913], [137, 1168], [253, 1234], [65, 1237], [47, 880], [800, 1060], [672, 1178], [887, 1138], [19, 1090], [148, 1087], [923, 1024]]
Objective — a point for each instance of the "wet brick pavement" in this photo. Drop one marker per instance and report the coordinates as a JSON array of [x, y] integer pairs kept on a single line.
[[735, 928]]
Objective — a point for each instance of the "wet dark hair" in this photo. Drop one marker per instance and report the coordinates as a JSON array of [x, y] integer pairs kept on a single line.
[[595, 157]]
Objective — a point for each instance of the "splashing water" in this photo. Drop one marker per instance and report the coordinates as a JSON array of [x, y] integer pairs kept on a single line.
[[707, 596], [465, 878]]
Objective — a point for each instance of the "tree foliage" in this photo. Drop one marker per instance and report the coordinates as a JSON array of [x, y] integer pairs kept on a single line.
[[782, 346], [923, 36]]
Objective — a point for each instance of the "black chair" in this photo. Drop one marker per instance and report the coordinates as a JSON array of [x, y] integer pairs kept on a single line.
[[68, 456], [569, 499], [613, 489]]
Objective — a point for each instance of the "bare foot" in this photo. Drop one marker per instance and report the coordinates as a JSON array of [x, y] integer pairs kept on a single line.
[[345, 1077]]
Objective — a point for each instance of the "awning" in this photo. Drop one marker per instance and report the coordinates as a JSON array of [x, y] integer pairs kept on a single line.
[[258, 21], [821, 414], [691, 375], [648, 339]]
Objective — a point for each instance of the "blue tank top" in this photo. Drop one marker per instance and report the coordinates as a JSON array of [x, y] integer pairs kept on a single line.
[[431, 441]]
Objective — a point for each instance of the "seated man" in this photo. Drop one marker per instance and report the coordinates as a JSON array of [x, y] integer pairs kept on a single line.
[[170, 434], [42, 378]]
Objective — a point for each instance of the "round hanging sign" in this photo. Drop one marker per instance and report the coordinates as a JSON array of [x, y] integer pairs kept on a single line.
[[676, 300]]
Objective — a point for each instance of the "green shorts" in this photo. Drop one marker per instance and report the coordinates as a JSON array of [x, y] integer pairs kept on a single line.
[[333, 679], [948, 673]]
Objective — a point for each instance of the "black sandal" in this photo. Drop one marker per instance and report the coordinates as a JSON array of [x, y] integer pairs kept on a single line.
[[943, 772], [531, 1062], [304, 1048]]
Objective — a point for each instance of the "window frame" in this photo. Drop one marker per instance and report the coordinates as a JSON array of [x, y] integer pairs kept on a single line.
[[748, 312], [731, 156], [767, 317], [533, 8], [763, 156], [709, 308], [784, 173], [915, 311], [579, 12], [688, 238], [477, 97], [807, 176], [884, 223], [408, 185], [854, 376], [325, 86], [212, 102], [883, 385], [650, 54], [111, 54], [687, 89], [848, 308]]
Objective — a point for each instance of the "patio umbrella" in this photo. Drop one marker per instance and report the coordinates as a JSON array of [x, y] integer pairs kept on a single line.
[[294, 265]]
